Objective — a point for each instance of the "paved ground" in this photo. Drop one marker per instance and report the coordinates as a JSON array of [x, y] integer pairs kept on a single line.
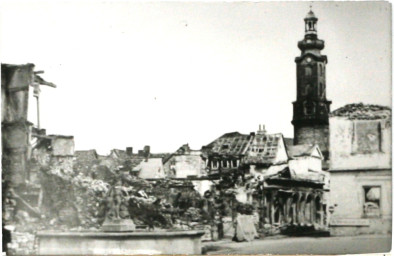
[[304, 245]]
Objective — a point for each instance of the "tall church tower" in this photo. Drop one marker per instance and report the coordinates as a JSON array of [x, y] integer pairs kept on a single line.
[[311, 109]]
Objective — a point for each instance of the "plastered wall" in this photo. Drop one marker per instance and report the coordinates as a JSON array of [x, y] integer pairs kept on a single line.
[[341, 155]]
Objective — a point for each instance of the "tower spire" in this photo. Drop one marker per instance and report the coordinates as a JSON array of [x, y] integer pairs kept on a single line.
[[310, 22], [311, 108]]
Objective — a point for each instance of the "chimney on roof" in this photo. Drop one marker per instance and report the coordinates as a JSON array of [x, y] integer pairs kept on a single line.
[[146, 152], [129, 151], [261, 131]]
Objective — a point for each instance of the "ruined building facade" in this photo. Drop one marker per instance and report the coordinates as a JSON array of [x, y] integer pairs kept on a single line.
[[286, 184], [16, 129], [311, 109], [361, 169]]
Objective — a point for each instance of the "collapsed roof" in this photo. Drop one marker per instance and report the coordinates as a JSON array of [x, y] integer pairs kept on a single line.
[[233, 143], [256, 148], [360, 111]]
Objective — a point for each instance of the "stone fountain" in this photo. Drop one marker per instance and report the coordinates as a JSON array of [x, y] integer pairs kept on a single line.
[[118, 235]]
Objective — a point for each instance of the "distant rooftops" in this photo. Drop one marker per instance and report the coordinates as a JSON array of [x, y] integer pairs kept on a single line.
[[360, 111]]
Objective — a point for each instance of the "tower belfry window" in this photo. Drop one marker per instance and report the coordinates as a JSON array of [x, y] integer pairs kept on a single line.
[[309, 108], [310, 22]]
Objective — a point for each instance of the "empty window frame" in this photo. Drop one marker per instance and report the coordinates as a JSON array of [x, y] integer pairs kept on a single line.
[[372, 201]]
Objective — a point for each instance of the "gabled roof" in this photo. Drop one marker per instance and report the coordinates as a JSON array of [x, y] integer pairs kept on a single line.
[[233, 143], [263, 149], [304, 150], [360, 111], [118, 153], [256, 148], [183, 149]]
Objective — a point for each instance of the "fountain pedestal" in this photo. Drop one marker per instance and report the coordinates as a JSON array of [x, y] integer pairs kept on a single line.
[[126, 243], [119, 225]]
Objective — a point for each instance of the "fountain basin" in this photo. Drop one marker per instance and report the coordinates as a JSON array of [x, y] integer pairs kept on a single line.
[[101, 243]]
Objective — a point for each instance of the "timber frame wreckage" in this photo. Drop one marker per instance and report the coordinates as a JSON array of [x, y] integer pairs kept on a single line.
[[286, 182]]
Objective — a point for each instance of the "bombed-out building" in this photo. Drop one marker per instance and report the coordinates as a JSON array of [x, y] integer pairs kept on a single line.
[[184, 163], [285, 183], [188, 164], [360, 169], [16, 129]]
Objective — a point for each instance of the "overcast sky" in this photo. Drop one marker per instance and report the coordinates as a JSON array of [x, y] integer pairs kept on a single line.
[[165, 74]]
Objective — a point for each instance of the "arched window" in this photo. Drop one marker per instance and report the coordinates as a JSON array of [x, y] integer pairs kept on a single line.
[[234, 163], [215, 165]]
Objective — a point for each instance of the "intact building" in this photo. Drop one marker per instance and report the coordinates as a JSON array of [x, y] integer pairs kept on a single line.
[[311, 109]]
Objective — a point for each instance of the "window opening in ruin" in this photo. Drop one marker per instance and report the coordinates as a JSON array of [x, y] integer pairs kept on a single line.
[[215, 165], [372, 199]]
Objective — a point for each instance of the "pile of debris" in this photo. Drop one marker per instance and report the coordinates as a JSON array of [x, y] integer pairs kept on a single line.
[[360, 111]]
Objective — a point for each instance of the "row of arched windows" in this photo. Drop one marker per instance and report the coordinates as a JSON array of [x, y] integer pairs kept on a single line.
[[225, 164]]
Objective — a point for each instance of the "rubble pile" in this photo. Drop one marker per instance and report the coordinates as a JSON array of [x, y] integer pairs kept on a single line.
[[362, 111], [71, 201], [77, 201]]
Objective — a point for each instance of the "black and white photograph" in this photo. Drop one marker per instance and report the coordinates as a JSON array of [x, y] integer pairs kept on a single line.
[[203, 127]]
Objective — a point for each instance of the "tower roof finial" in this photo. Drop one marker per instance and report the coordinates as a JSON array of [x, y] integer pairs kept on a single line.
[[310, 15]]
